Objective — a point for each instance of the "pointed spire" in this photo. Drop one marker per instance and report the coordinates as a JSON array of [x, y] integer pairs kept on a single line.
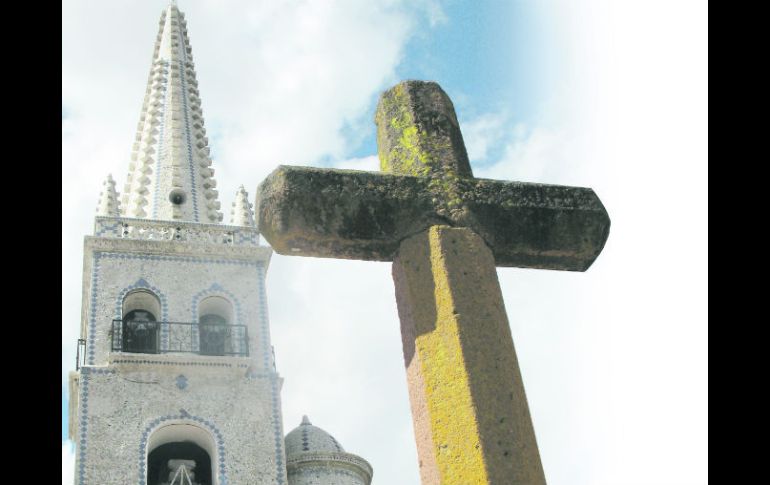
[[242, 213], [169, 175], [108, 200], [305, 421]]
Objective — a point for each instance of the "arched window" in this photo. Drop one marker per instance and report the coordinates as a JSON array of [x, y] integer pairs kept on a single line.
[[216, 316], [140, 324], [180, 454]]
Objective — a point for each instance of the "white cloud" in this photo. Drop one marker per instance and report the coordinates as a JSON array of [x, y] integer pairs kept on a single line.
[[631, 122], [370, 163], [481, 133], [536, 154], [67, 463], [344, 354]]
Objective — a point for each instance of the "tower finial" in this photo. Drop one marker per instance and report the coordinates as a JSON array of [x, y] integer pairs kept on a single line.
[[305, 420], [170, 175]]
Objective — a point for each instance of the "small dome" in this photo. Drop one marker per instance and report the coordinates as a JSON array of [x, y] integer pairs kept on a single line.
[[314, 456], [308, 438]]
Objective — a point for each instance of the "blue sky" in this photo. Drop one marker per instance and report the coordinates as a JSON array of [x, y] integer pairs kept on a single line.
[[606, 94], [470, 51]]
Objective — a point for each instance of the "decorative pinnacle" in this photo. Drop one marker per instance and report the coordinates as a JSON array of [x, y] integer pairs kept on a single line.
[[170, 175], [305, 421], [242, 213], [108, 200]]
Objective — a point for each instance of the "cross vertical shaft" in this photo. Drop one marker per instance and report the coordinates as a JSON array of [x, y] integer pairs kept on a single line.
[[470, 413]]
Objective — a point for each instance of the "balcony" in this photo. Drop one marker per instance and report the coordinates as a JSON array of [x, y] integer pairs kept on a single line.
[[179, 337]]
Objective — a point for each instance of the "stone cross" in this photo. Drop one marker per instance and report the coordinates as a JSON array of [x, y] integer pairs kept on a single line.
[[445, 232]]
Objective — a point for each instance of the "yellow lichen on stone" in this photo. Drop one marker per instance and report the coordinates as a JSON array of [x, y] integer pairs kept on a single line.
[[472, 422], [406, 156], [456, 435]]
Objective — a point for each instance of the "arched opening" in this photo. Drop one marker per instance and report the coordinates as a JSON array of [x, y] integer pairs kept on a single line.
[[216, 316], [181, 454], [140, 324], [181, 463]]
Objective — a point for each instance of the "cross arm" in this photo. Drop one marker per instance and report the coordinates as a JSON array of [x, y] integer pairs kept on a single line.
[[347, 214], [529, 225], [353, 214]]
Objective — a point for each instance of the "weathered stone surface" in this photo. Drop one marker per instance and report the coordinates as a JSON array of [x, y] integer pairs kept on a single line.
[[471, 419], [365, 215], [418, 133], [445, 232], [531, 225], [341, 213]]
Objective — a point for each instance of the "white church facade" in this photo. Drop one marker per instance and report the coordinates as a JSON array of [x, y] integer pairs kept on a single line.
[[176, 382]]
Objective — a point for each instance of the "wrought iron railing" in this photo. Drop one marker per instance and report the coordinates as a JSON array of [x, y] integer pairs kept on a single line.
[[179, 337]]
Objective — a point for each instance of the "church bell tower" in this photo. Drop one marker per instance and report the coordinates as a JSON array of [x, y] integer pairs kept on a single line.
[[176, 381]]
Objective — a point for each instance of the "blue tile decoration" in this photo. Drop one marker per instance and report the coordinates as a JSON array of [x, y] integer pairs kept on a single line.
[[181, 382], [326, 471], [103, 230], [188, 140], [175, 363], [182, 259], [305, 444], [90, 351], [264, 334], [217, 290], [161, 139], [85, 373], [247, 237], [142, 284], [187, 418], [268, 371], [277, 430], [119, 227], [82, 427], [85, 370], [99, 255]]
